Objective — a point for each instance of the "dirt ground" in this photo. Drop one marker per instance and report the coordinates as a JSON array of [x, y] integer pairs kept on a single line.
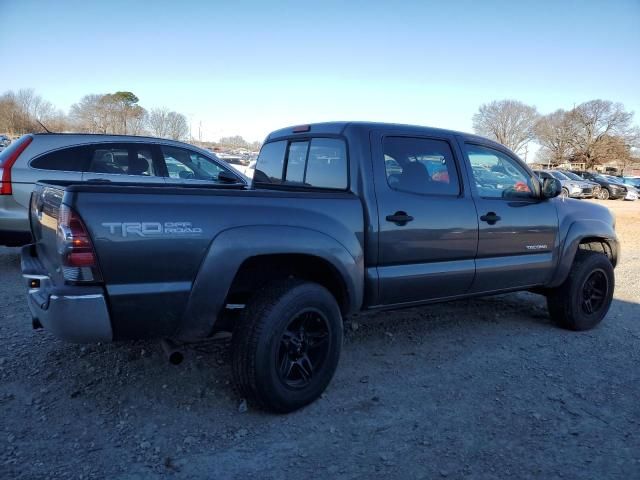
[[485, 388]]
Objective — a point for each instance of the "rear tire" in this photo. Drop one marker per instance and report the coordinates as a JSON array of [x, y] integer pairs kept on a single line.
[[286, 345], [584, 298], [604, 194]]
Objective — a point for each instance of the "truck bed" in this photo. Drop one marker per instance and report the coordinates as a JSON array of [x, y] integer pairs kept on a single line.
[[152, 242]]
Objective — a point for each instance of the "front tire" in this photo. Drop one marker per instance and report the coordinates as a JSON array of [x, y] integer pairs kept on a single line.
[[584, 298], [564, 193], [286, 345], [604, 194]]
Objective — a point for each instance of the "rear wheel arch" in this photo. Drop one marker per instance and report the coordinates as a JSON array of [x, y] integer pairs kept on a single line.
[[205, 312], [260, 270]]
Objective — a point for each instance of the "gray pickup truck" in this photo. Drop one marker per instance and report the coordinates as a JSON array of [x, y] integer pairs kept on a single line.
[[340, 218]]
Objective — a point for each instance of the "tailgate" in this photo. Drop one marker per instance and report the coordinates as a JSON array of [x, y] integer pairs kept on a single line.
[[44, 210]]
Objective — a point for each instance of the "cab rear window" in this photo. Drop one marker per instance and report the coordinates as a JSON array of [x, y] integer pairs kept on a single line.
[[318, 163]]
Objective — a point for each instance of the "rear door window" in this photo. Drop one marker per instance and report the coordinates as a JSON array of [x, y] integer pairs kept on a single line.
[[122, 160], [72, 159], [420, 165]]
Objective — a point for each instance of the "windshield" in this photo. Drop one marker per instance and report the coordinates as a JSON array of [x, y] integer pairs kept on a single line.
[[559, 175], [572, 176], [613, 179], [632, 181]]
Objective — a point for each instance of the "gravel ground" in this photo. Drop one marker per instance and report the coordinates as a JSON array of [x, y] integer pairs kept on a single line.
[[484, 388]]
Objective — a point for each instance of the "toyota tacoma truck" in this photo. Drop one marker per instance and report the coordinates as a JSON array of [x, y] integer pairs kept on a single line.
[[340, 218]]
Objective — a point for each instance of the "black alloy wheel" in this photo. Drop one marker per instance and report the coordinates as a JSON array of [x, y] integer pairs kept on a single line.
[[594, 290], [304, 347]]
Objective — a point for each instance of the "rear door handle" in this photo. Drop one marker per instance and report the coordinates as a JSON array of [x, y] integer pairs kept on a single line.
[[490, 218], [399, 218], [98, 180]]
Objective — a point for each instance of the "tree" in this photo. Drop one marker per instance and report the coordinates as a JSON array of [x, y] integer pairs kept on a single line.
[[235, 141], [157, 122], [177, 127], [509, 122], [555, 133], [167, 124], [125, 113], [115, 113], [90, 114], [597, 123], [23, 111]]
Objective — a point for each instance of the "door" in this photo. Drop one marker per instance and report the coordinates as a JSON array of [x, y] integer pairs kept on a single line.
[[123, 162], [517, 230], [428, 226]]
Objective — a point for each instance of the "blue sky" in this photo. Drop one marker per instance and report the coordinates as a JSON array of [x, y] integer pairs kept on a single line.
[[250, 67]]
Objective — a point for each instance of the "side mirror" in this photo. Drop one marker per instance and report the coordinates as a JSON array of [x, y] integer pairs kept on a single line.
[[227, 177], [551, 187]]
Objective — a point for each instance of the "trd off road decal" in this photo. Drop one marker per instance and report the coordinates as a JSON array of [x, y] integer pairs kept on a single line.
[[152, 229]]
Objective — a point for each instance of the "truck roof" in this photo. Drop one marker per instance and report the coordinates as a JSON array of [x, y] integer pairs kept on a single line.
[[338, 128]]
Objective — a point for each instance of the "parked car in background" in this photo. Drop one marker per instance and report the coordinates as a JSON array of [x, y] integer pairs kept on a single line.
[[99, 158], [595, 186], [570, 188], [632, 192], [633, 181], [4, 142], [608, 189]]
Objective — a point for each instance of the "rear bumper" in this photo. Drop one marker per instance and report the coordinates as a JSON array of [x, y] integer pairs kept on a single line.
[[72, 313]]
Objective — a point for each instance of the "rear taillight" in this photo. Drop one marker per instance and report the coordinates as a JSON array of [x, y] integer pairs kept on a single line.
[[78, 257], [9, 157]]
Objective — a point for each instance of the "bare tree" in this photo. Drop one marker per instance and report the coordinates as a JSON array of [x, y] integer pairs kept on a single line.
[[235, 141], [555, 133], [509, 122], [597, 122], [157, 122], [90, 114], [137, 122], [22, 112], [177, 127], [9, 112]]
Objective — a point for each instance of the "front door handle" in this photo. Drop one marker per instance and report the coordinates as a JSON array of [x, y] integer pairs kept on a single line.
[[491, 218], [399, 218]]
